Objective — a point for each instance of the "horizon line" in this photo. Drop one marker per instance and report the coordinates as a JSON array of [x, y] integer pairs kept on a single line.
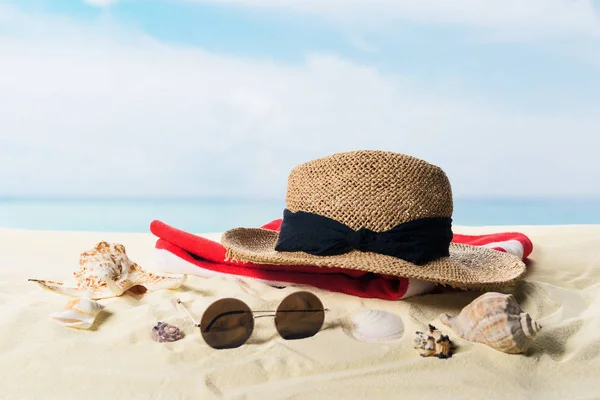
[[5, 198]]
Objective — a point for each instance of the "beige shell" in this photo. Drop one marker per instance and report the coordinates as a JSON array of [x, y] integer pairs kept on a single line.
[[78, 313], [433, 344], [106, 271], [497, 320]]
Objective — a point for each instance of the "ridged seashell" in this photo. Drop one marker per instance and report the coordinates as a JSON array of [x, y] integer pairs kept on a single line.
[[377, 325], [497, 320], [433, 344], [163, 332], [78, 313], [106, 271]]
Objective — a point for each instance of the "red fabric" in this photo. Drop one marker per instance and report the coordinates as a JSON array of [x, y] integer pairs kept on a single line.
[[210, 255], [486, 240]]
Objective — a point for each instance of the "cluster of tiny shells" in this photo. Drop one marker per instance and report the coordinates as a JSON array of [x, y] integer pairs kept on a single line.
[[433, 343]]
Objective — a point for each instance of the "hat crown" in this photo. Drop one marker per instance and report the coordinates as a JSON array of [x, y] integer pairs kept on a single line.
[[371, 189]]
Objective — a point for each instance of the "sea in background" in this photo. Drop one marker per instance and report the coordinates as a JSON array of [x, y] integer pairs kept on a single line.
[[217, 215]]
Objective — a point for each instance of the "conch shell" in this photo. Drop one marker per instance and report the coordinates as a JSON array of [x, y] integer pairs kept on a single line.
[[78, 313], [106, 271], [497, 320], [433, 343]]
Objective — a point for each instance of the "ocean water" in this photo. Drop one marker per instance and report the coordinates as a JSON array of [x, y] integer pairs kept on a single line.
[[220, 215]]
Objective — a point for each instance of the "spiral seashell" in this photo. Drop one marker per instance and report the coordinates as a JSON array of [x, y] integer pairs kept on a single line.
[[377, 325], [497, 320], [107, 271], [163, 332], [78, 313], [433, 344]]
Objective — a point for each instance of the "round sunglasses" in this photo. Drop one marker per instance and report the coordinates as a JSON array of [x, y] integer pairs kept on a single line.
[[228, 323]]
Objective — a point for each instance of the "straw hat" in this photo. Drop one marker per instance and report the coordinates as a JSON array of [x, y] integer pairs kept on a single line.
[[373, 211]]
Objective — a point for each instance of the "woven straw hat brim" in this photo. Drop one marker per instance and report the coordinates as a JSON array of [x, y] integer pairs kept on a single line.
[[467, 267]]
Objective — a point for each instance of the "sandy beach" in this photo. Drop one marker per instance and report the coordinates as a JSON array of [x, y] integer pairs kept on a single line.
[[117, 359]]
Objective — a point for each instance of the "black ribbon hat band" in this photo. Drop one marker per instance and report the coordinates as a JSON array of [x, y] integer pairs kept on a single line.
[[419, 241]]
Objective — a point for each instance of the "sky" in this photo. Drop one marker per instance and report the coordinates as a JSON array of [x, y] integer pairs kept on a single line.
[[201, 98]]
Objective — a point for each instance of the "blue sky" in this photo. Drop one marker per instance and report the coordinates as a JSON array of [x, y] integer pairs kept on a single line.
[[199, 97]]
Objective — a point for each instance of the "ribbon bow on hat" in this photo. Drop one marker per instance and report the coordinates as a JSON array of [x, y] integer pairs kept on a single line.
[[418, 241]]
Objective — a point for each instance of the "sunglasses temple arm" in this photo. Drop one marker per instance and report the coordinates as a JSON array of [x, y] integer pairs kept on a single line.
[[274, 313], [187, 312]]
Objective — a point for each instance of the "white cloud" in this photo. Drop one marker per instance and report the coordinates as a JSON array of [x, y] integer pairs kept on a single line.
[[361, 44], [508, 18], [101, 3], [85, 113]]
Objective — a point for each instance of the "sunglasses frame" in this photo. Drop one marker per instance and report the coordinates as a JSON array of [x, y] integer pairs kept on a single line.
[[265, 313]]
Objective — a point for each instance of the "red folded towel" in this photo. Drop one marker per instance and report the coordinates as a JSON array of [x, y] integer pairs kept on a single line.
[[207, 258]]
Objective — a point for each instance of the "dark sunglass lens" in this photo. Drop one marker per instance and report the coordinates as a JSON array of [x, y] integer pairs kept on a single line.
[[300, 315], [226, 324]]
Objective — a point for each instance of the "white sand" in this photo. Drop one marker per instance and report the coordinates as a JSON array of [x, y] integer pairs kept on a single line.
[[117, 359]]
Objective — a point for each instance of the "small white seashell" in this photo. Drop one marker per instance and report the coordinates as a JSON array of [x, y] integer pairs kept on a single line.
[[377, 325], [78, 313], [163, 332]]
